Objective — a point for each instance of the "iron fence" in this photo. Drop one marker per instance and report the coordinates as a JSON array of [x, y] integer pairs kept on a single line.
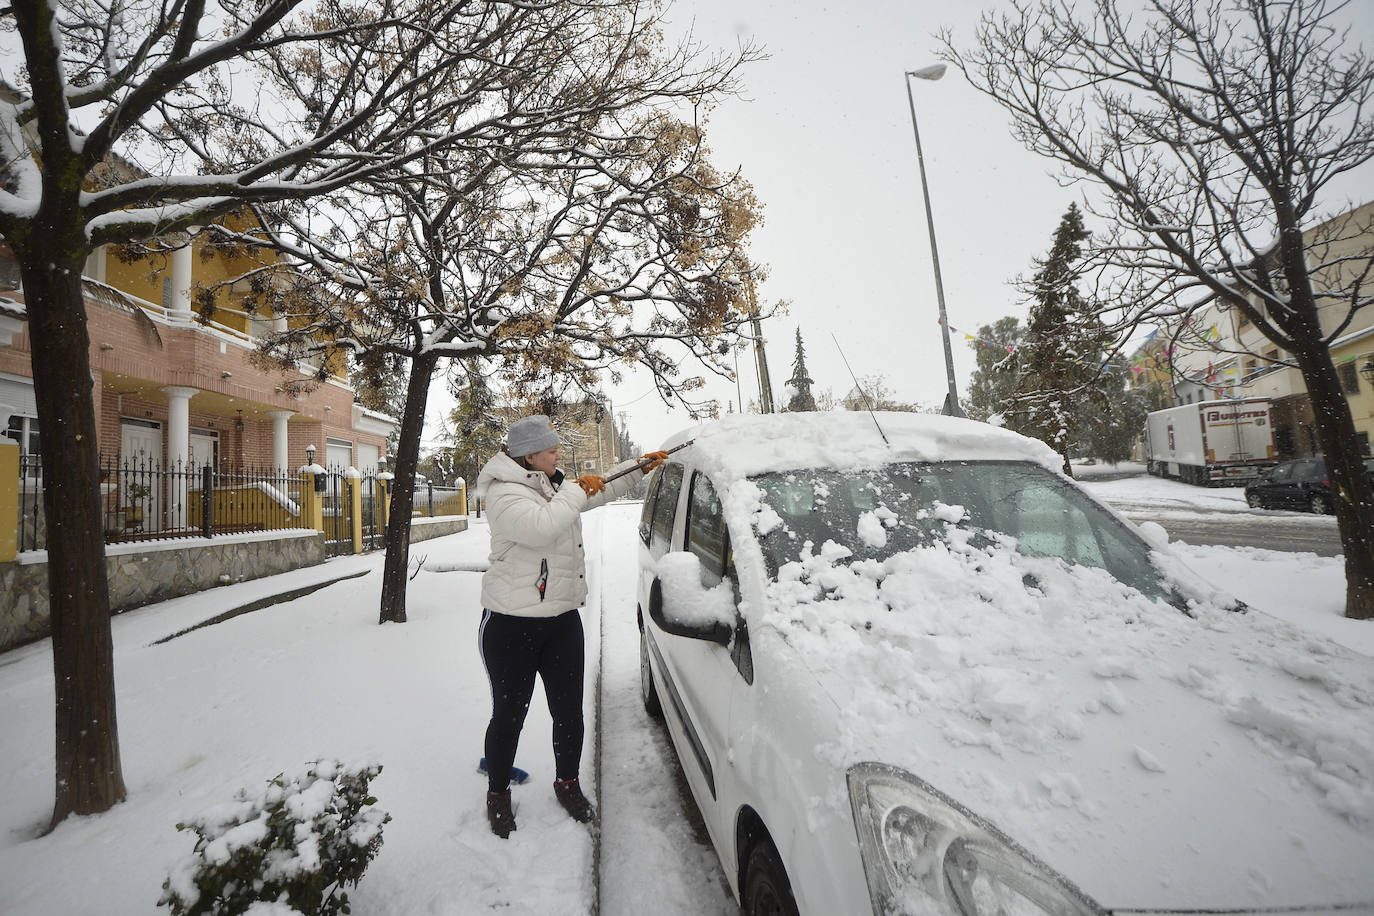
[[431, 500], [32, 530], [142, 500], [338, 522]]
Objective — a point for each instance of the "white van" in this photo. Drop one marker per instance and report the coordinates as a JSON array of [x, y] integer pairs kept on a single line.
[[909, 667]]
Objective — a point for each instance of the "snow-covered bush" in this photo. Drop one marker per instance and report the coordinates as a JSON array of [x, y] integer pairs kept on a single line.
[[292, 847]]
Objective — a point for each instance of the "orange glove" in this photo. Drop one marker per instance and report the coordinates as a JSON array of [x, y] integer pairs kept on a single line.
[[591, 484], [654, 459]]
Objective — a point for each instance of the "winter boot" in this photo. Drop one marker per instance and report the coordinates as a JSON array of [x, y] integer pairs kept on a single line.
[[570, 796], [499, 814]]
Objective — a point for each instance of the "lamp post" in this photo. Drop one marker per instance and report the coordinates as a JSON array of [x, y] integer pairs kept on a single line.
[[934, 72]]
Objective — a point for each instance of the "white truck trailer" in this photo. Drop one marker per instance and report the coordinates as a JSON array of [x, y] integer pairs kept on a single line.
[[1213, 442]]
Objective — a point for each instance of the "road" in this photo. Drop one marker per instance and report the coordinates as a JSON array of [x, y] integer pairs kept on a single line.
[[1202, 515], [1273, 531]]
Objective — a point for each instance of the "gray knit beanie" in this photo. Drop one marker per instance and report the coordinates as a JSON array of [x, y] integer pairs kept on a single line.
[[531, 434]]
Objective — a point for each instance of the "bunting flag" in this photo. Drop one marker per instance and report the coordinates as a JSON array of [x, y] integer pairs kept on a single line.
[[981, 341], [984, 342]]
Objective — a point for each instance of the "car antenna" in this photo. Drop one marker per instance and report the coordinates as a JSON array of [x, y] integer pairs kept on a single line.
[[861, 390]]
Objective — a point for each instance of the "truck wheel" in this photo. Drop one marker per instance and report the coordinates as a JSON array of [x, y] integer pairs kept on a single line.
[[1320, 504]]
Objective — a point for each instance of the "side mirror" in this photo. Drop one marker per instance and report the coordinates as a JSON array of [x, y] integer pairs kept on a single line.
[[681, 606]]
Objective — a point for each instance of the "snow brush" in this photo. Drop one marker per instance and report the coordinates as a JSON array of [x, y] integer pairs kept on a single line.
[[640, 465]]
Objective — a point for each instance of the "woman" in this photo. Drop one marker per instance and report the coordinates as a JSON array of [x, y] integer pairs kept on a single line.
[[532, 589]]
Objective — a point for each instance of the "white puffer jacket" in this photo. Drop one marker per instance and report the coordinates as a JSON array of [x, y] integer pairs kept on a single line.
[[536, 567]]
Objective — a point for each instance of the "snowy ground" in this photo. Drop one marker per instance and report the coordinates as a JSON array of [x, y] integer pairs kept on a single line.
[[234, 704]]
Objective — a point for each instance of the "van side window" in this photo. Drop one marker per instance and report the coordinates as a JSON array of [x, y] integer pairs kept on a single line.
[[665, 507], [646, 517], [706, 535]]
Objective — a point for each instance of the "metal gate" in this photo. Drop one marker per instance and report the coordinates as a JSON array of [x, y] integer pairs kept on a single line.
[[338, 519]]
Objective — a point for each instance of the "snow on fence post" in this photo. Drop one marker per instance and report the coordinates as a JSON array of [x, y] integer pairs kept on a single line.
[[9, 500], [383, 497], [312, 500], [353, 497]]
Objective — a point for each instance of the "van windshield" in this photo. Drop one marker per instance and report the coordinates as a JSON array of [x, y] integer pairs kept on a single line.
[[879, 512]]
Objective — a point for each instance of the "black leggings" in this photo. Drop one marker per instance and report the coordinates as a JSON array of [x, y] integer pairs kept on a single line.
[[515, 649]]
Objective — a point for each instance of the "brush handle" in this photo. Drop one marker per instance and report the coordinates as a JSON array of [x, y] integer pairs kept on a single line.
[[640, 467]]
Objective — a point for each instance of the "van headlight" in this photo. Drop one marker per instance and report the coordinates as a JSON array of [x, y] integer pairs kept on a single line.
[[922, 853]]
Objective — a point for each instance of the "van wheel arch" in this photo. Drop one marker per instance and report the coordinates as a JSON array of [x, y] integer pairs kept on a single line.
[[751, 834]]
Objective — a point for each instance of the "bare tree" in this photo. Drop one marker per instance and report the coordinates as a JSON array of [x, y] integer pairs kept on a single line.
[[600, 236], [1211, 132], [123, 122]]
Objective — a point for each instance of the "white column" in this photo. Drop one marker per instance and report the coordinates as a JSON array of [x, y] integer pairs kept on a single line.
[[95, 264], [178, 450], [181, 282], [280, 453], [10, 328]]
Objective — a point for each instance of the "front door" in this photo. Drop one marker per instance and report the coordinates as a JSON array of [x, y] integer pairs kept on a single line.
[[140, 482], [204, 450]]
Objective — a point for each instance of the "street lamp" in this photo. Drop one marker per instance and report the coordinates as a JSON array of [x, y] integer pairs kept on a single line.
[[934, 72]]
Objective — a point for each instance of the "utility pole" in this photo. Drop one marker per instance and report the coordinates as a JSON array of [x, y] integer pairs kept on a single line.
[[760, 356], [600, 453], [739, 392]]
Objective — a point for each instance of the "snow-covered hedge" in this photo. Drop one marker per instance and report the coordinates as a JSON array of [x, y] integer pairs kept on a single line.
[[293, 846]]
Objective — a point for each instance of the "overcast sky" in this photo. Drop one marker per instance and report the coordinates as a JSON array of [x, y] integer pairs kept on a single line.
[[824, 134]]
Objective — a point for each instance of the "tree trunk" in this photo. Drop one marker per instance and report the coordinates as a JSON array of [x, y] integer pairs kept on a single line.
[[1353, 491], [89, 776], [1354, 502], [397, 566]]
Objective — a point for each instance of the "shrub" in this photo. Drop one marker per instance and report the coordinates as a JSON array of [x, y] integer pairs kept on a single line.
[[293, 847]]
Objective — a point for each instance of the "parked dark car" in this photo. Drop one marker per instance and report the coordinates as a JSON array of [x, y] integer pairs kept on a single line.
[[1298, 484]]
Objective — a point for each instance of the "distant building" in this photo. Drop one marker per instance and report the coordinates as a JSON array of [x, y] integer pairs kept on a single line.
[[1198, 361]]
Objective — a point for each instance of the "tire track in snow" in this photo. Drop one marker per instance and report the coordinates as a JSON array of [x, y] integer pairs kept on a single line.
[[654, 854]]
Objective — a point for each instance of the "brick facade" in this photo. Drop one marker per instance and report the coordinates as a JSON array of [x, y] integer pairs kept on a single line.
[[134, 358]]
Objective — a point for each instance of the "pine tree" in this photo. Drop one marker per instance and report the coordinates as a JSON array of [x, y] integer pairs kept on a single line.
[[1061, 358], [800, 381], [1110, 435], [993, 380]]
